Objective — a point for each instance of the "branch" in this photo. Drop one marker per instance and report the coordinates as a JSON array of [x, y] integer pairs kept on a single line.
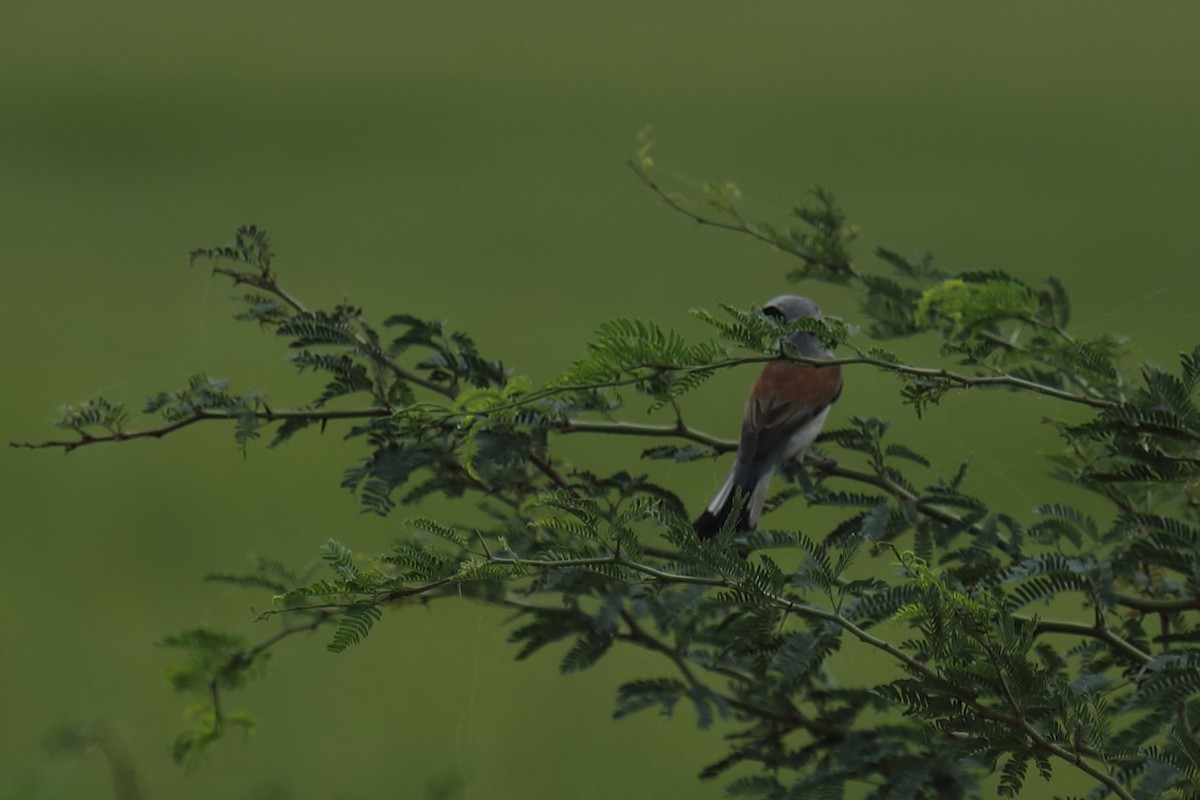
[[320, 617], [739, 226], [263, 279], [792, 606], [847, 268], [547, 468], [614, 560], [266, 281], [929, 509], [795, 718], [678, 430], [965, 381], [1099, 632], [957, 379], [203, 415], [244, 658], [682, 431], [920, 669], [1154, 606], [915, 666], [569, 426]]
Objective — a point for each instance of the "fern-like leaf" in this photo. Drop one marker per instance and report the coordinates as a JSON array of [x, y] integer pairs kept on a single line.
[[353, 626]]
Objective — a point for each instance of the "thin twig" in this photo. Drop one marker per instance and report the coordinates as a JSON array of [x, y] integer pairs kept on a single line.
[[204, 415], [268, 283], [739, 225]]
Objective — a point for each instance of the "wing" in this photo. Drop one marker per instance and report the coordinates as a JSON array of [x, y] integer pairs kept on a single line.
[[786, 398]]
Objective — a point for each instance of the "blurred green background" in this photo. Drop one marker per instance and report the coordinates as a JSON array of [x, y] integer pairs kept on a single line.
[[466, 161]]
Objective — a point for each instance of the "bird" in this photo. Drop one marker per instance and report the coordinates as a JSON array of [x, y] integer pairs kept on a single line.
[[785, 411]]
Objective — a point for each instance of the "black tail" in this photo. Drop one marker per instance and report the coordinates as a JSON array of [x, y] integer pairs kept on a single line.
[[709, 524]]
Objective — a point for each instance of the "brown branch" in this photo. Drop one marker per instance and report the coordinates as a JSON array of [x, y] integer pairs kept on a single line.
[[959, 380], [1101, 633], [965, 381], [203, 415], [267, 282], [739, 226], [546, 468], [320, 617], [1150, 605], [678, 430]]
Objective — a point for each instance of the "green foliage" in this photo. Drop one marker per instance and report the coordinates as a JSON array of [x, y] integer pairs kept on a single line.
[[1011, 643], [98, 413], [353, 626], [767, 335], [217, 662], [641, 354], [250, 246], [957, 303]]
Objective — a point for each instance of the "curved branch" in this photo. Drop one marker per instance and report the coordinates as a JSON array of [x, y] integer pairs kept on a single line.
[[1101, 633]]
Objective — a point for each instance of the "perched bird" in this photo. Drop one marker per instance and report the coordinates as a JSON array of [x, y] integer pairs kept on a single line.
[[783, 416]]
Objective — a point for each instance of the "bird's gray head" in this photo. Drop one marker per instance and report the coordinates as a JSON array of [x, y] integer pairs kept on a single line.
[[791, 306], [787, 307]]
